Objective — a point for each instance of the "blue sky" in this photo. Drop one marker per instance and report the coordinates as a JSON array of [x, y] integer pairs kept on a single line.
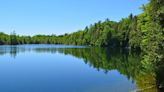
[[29, 17]]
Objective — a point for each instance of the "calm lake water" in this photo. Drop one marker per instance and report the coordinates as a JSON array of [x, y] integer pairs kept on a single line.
[[60, 68]]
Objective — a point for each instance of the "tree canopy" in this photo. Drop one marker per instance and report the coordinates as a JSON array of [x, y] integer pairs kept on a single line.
[[141, 32]]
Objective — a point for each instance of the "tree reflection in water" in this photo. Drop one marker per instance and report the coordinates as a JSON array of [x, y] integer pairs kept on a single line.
[[147, 79]]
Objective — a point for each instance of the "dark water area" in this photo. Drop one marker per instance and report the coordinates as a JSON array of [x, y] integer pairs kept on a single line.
[[62, 68]]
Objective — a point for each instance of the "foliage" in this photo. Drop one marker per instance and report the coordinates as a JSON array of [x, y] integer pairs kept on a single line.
[[142, 32]]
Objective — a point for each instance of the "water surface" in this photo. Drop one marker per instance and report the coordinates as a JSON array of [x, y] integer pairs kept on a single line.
[[61, 68]]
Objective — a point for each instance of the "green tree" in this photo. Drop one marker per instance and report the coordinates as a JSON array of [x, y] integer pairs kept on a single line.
[[13, 38]]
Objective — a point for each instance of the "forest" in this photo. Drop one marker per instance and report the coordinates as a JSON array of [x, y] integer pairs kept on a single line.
[[143, 32]]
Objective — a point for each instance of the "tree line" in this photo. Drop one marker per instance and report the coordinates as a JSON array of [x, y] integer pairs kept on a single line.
[[141, 32]]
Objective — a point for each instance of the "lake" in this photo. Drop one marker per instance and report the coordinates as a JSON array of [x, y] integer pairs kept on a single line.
[[62, 68]]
